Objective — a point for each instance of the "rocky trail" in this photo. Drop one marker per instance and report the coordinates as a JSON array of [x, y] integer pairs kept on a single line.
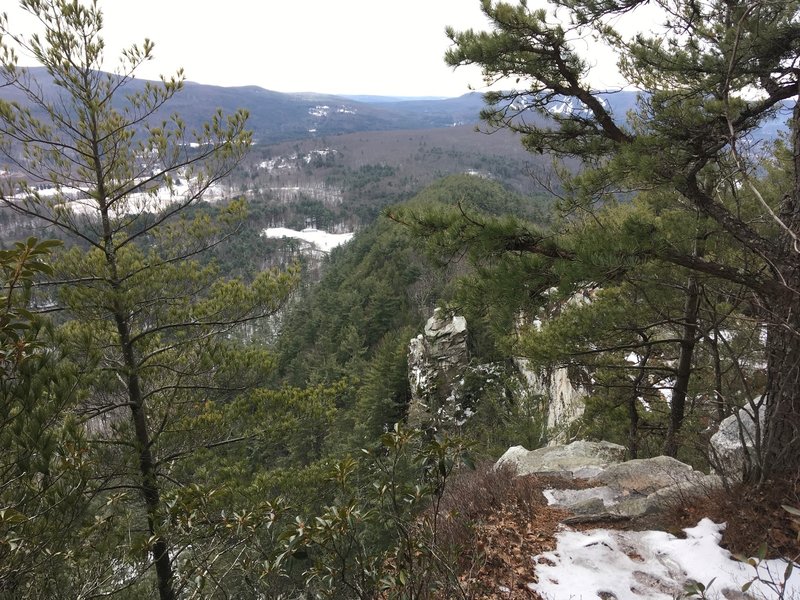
[[578, 521]]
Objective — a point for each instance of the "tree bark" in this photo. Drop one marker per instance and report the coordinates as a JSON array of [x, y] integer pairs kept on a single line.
[[147, 466], [780, 452], [684, 370]]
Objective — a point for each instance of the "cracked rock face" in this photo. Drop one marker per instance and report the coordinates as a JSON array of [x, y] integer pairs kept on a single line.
[[437, 361], [565, 397]]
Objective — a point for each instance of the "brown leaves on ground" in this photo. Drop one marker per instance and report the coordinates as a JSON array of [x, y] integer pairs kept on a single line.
[[501, 522], [754, 514], [502, 560]]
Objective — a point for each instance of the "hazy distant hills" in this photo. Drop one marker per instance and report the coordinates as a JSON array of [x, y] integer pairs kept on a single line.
[[277, 117]]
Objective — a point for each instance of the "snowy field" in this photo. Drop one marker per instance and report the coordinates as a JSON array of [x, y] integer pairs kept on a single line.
[[319, 240], [136, 202]]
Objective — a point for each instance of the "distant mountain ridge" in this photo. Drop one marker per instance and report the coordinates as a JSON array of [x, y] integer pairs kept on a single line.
[[279, 117]]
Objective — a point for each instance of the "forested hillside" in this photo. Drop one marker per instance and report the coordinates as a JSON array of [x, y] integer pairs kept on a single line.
[[347, 180], [276, 117], [190, 408]]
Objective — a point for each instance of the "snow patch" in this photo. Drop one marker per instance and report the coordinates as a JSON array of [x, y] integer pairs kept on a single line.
[[318, 239], [556, 497], [154, 200], [650, 565]]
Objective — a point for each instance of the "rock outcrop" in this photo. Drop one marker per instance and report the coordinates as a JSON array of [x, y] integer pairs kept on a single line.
[[437, 361], [734, 444], [564, 389], [439, 365], [565, 397], [578, 459], [619, 489]]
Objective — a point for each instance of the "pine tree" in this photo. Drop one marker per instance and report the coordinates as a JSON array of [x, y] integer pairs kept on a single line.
[[688, 134], [162, 326]]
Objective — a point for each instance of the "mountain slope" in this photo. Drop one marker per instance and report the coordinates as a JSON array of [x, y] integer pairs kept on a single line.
[[276, 116]]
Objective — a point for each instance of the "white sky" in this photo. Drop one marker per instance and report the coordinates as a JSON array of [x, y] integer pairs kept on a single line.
[[327, 46]]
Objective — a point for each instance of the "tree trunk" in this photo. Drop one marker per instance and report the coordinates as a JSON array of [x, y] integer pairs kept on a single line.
[[781, 445], [684, 370], [147, 466], [633, 424], [781, 441], [719, 399]]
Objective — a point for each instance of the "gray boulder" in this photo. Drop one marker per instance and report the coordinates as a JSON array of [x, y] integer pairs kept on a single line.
[[578, 459], [644, 476], [736, 439], [645, 486], [634, 488], [683, 491]]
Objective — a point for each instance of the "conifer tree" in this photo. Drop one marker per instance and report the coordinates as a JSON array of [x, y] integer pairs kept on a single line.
[[710, 74], [161, 324]]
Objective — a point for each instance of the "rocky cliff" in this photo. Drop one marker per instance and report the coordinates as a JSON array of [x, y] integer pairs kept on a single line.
[[564, 397], [439, 364], [437, 361]]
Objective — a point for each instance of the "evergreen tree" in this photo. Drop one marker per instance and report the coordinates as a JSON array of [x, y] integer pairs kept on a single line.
[[161, 326], [712, 73]]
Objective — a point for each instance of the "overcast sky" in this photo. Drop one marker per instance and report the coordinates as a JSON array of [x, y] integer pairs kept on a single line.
[[327, 46]]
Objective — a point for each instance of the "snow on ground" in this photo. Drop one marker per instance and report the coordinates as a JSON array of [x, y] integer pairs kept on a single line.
[[136, 202], [652, 565], [320, 240], [151, 202], [572, 497]]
